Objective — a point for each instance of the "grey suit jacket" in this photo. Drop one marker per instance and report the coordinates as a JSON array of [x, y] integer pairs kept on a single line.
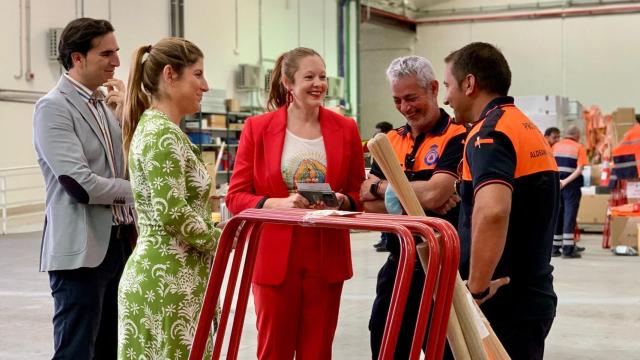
[[80, 186]]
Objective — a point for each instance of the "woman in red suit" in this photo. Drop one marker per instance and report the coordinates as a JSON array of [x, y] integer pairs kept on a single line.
[[299, 271]]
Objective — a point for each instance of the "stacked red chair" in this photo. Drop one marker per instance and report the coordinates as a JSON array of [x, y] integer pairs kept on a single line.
[[244, 230]]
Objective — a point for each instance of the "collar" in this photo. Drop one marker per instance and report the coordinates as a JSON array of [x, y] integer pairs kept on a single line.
[[498, 102], [438, 129], [82, 90]]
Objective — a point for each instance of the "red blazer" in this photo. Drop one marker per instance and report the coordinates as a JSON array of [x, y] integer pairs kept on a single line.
[[257, 173]]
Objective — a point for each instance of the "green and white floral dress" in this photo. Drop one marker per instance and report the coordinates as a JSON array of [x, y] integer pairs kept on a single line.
[[163, 284]]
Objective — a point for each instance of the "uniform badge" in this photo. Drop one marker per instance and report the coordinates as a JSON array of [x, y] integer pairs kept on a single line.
[[432, 155]]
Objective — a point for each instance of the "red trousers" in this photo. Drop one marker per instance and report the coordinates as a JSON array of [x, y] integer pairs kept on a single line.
[[300, 315]]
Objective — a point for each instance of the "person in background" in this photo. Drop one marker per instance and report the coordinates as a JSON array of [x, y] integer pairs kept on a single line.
[[89, 223], [429, 149], [382, 127], [510, 195], [552, 135], [571, 158], [626, 156], [299, 271], [163, 284]]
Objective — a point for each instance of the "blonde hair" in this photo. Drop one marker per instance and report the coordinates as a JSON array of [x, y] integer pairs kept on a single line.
[[144, 77]]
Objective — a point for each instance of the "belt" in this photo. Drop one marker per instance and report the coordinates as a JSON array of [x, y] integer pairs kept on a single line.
[[122, 231]]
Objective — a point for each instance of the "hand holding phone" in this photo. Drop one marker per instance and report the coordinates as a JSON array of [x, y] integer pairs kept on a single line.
[[317, 193]]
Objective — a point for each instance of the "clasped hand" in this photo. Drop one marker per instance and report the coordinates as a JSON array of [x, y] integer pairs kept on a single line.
[[300, 202]]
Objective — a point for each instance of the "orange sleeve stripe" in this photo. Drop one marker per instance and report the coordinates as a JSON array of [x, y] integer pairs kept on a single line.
[[480, 141]]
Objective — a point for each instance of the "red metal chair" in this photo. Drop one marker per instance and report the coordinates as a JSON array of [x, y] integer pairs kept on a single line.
[[245, 228], [450, 252]]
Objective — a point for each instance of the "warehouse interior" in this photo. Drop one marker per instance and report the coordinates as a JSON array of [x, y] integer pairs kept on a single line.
[[573, 63]]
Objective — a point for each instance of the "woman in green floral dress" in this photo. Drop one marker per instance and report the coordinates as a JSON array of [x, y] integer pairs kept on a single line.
[[163, 284]]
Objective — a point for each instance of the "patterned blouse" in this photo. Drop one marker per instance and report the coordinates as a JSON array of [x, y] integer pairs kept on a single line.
[[162, 287]]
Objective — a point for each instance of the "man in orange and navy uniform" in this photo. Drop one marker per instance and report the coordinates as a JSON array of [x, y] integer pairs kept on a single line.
[[429, 148], [626, 157], [510, 197], [571, 157], [552, 135]]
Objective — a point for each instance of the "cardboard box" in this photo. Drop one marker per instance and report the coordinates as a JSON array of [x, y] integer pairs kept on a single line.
[[624, 230], [593, 209], [623, 120], [214, 202], [624, 116], [217, 121], [596, 174], [209, 157]]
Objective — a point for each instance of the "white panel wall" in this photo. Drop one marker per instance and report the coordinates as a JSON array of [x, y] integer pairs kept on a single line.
[[589, 59], [210, 24], [16, 147], [379, 45], [601, 61]]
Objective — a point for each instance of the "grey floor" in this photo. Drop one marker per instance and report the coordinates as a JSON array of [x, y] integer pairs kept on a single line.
[[598, 312]]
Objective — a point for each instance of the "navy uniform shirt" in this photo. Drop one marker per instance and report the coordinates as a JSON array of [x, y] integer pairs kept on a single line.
[[505, 147], [439, 150]]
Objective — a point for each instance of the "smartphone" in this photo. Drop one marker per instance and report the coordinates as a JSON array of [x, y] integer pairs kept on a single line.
[[318, 192]]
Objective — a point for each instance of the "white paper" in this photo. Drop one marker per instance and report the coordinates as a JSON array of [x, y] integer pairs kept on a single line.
[[482, 330], [322, 213]]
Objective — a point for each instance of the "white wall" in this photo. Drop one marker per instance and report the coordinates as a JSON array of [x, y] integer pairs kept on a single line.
[[210, 24], [589, 59], [16, 147], [379, 45]]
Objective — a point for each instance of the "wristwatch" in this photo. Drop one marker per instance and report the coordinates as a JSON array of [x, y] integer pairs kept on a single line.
[[480, 295], [373, 189]]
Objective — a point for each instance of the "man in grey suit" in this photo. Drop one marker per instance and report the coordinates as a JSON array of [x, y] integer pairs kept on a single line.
[[89, 217]]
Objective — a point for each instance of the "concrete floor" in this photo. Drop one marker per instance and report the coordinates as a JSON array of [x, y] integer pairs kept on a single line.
[[598, 312]]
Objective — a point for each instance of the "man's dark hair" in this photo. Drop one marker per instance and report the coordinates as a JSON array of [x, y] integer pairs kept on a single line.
[[551, 130], [384, 127], [486, 63], [78, 35]]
